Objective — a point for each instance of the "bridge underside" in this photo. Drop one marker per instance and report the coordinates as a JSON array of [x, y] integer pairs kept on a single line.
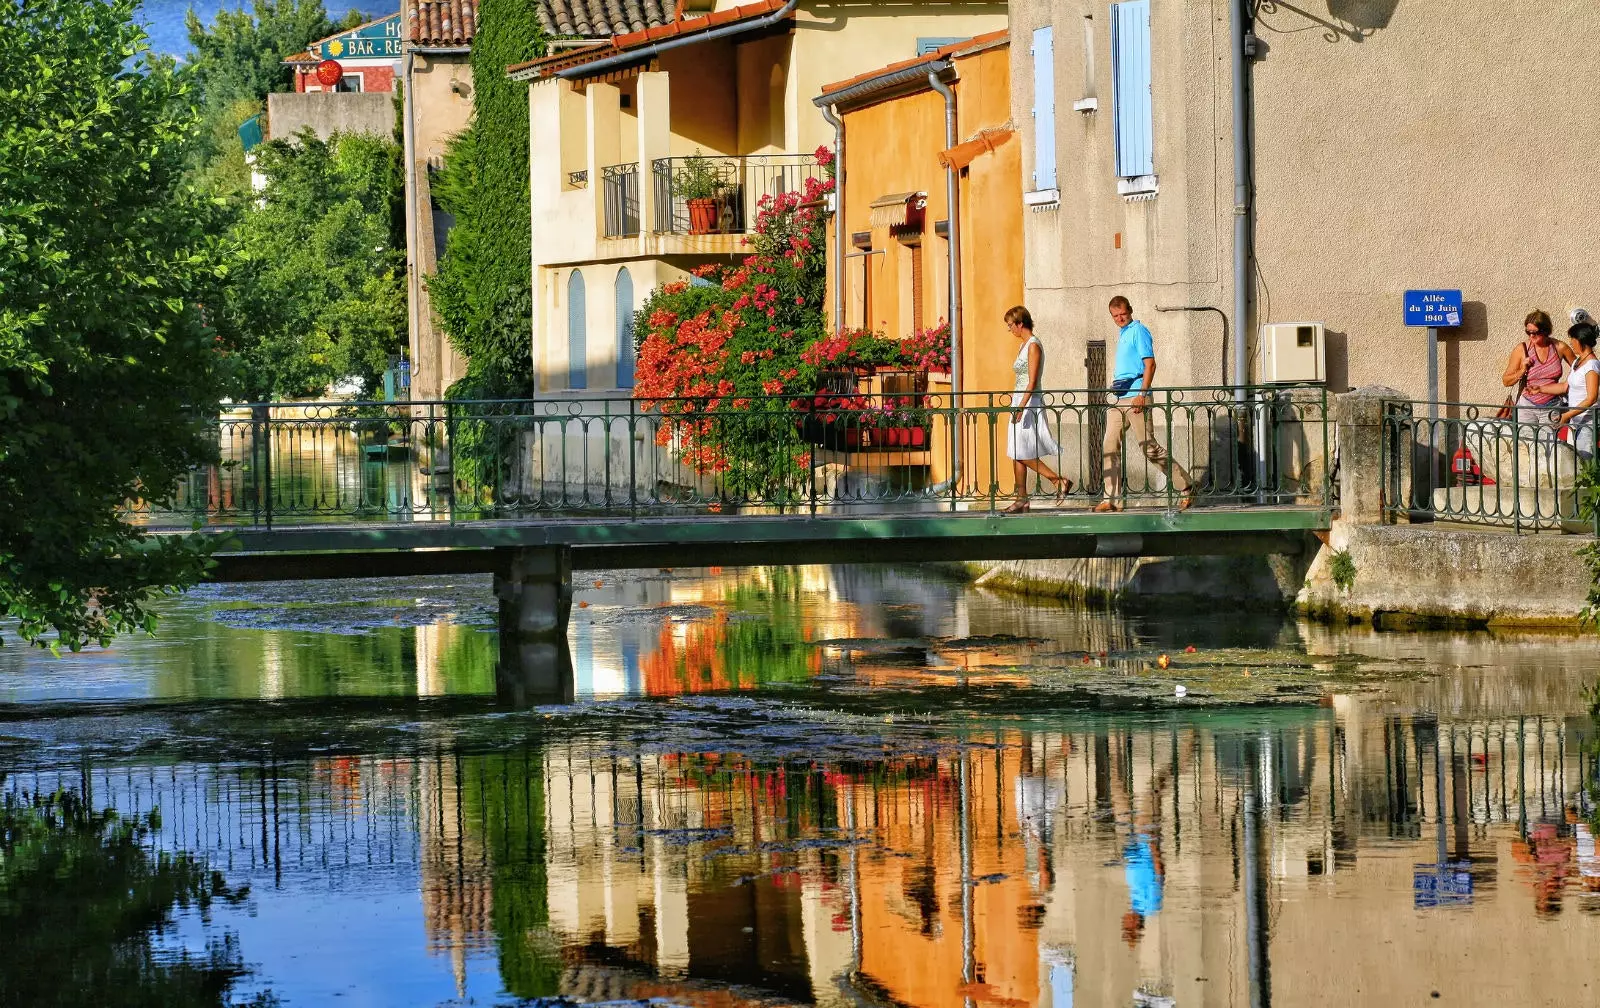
[[309, 552]]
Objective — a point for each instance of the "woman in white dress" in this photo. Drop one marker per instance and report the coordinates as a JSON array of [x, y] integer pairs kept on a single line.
[[1581, 388], [1028, 439]]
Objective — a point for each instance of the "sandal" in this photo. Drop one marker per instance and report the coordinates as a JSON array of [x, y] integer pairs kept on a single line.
[[1105, 506], [1186, 502], [1063, 487], [1017, 507]]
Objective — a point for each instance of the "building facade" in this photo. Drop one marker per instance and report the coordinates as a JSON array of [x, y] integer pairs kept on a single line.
[[620, 129], [1380, 160], [368, 55]]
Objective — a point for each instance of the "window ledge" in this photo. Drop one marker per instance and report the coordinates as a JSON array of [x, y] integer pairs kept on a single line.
[[1042, 199], [1086, 105], [1140, 187]]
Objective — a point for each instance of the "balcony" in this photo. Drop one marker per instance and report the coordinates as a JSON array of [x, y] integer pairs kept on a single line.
[[741, 182], [620, 187]]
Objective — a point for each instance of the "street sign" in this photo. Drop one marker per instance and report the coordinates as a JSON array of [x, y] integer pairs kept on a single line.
[[1437, 309]]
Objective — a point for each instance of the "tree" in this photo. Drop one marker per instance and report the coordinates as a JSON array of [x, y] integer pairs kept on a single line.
[[482, 290], [318, 292], [82, 900], [239, 59], [105, 262]]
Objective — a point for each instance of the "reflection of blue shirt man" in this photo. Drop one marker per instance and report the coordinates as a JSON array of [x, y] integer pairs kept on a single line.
[[1140, 864]]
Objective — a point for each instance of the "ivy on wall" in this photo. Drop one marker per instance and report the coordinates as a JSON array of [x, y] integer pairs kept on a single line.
[[482, 290]]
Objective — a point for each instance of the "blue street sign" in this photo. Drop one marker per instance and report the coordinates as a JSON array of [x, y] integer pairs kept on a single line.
[[1437, 309]]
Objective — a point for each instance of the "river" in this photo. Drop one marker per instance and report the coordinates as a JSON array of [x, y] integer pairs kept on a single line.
[[841, 786]]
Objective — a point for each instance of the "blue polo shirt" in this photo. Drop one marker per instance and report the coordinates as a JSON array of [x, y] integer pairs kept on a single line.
[[1133, 346]]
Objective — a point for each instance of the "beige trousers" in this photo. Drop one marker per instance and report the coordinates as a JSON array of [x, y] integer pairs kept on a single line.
[[1118, 419]]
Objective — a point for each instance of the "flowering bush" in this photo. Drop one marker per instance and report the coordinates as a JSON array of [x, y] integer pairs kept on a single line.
[[718, 358], [853, 348]]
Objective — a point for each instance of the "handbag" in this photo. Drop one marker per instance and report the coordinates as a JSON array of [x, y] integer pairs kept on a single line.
[[1509, 407]]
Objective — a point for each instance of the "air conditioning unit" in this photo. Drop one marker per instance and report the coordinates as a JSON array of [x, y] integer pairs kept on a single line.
[[1293, 352]]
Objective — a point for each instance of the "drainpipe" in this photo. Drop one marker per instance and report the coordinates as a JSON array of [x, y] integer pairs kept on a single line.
[[837, 123], [645, 52], [1239, 26], [413, 273], [953, 204]]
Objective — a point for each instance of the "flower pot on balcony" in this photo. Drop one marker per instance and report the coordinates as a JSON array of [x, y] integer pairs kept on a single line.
[[702, 216]]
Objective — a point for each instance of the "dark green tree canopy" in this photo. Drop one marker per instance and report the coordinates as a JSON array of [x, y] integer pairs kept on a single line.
[[105, 262]]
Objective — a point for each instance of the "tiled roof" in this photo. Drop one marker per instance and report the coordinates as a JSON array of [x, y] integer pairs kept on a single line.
[[646, 37], [953, 49], [441, 22], [301, 57], [597, 18]]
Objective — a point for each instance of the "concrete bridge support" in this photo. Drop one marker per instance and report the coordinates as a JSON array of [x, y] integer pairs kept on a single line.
[[534, 586]]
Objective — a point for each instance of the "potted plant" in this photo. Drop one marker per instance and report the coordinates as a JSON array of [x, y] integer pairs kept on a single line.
[[698, 183]]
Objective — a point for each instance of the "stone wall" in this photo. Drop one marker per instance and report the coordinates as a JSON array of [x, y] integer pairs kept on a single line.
[[330, 112]]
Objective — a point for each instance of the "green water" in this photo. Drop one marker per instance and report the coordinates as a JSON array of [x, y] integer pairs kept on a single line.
[[832, 786]]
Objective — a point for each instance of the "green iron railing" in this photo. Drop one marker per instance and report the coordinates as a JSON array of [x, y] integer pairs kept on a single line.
[[837, 453], [1461, 462]]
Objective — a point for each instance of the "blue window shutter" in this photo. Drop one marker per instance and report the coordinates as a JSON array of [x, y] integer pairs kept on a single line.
[[928, 45], [1044, 108], [1130, 69], [624, 328], [577, 333]]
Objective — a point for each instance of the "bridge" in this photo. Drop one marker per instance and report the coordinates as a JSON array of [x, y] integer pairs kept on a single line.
[[534, 490]]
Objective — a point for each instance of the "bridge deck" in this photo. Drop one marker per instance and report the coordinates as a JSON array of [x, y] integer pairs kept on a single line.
[[399, 548]]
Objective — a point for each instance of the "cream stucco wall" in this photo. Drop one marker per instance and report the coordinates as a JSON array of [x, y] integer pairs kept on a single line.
[[1384, 159], [438, 114], [1167, 251], [1427, 143]]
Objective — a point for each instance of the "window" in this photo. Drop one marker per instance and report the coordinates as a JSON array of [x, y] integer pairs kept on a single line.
[[624, 328], [349, 82], [1130, 71], [1044, 109], [577, 333]]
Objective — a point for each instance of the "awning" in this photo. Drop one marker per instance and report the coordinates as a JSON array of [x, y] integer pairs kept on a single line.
[[963, 154], [896, 209]]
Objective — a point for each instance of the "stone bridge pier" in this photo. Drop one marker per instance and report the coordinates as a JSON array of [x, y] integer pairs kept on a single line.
[[534, 587]]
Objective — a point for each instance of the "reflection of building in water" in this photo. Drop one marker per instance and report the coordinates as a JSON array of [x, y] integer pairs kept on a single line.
[[457, 883]]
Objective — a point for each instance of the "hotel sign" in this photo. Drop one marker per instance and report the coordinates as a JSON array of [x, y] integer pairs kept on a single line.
[[378, 40]]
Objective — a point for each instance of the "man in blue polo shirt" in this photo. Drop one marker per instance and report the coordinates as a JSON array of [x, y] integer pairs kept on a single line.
[[1130, 383]]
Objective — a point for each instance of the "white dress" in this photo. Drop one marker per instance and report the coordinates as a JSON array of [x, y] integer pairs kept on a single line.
[[1028, 438]]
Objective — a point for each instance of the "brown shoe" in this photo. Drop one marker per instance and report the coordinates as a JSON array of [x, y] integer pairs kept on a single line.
[[1105, 506], [1017, 507], [1187, 502]]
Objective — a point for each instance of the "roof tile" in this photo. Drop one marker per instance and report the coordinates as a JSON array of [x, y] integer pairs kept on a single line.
[[648, 34]]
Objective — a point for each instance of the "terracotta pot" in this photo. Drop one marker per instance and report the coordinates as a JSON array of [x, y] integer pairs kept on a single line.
[[919, 437], [702, 216]]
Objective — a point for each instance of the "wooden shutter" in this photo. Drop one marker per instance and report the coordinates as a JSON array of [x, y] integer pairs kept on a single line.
[[577, 332], [1130, 70], [624, 328], [1044, 108]]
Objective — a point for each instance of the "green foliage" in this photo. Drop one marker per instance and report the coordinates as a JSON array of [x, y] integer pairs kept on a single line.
[[239, 59], [698, 178], [1342, 568], [82, 901], [318, 292], [1588, 486], [481, 291], [105, 260]]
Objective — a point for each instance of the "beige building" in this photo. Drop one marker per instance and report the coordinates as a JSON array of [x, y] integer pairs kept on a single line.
[[1425, 144], [437, 81], [615, 127]]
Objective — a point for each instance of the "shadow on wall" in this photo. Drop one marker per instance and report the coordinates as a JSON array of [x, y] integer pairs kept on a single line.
[[1474, 328], [1336, 345], [1354, 20]]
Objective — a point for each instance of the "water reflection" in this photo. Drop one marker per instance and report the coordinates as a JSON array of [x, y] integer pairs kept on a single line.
[[849, 788], [1168, 860]]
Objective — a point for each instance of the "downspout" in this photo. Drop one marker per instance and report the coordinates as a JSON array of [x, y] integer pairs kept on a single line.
[[413, 272], [645, 52], [837, 123], [953, 204], [1238, 26]]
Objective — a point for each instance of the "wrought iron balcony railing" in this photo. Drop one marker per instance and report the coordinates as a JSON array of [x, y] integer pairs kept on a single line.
[[735, 185], [621, 193], [578, 179]]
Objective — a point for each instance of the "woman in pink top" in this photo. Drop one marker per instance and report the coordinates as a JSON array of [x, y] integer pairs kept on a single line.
[[1535, 362]]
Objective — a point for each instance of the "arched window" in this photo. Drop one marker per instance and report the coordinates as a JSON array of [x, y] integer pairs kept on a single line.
[[577, 333], [624, 328]]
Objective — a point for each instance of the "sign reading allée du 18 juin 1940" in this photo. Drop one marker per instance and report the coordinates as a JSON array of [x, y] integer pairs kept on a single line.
[[378, 40]]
